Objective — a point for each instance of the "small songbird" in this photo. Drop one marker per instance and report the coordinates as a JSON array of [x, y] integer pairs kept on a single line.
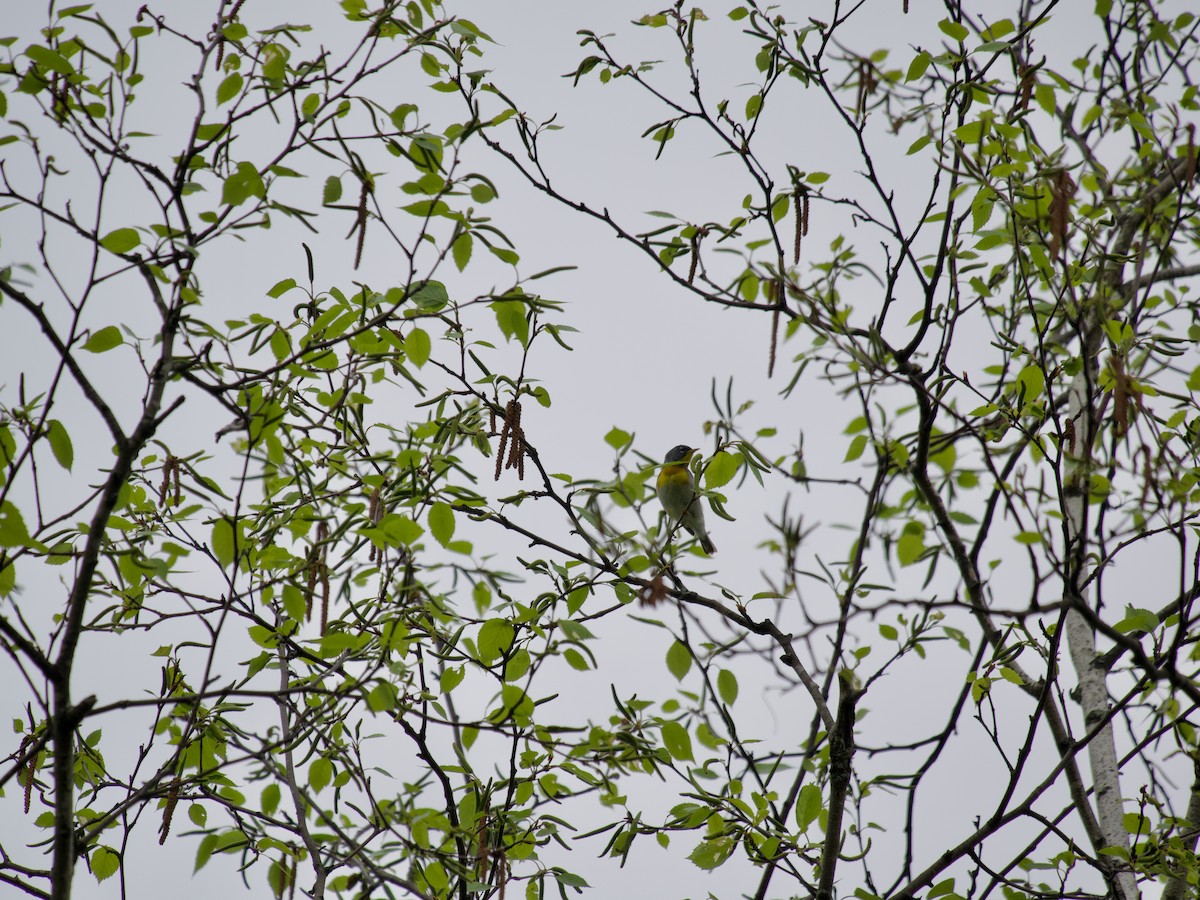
[[677, 494]]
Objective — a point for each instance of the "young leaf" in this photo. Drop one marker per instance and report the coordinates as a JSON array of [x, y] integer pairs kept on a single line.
[[495, 639], [121, 241], [418, 347], [104, 339], [727, 686], [441, 522], [60, 443], [720, 469], [677, 741], [679, 660], [808, 805], [104, 862]]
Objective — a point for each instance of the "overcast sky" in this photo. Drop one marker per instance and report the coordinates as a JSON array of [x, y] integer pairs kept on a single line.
[[647, 353]]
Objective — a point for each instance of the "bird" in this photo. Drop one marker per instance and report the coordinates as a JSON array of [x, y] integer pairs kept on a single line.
[[677, 494]]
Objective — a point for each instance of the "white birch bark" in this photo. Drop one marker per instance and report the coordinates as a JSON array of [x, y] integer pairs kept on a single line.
[[1083, 409]]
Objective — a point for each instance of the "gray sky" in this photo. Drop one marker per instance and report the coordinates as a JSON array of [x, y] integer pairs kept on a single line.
[[644, 360]]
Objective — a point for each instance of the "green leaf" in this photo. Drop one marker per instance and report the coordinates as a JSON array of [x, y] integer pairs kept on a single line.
[[808, 805], [511, 317], [281, 288], [495, 638], [49, 59], [1031, 382], [1011, 675], [451, 678], [857, 446], [515, 705], [1137, 620], [60, 443], [104, 339], [210, 131], [461, 250], [917, 67], [576, 660], [941, 889], [417, 346], [918, 145], [104, 862], [911, 544], [720, 469], [616, 438], [320, 773], [969, 133], [727, 687], [269, 799], [753, 106], [242, 185], [397, 529], [436, 878], [332, 192], [275, 57], [229, 88], [677, 741], [999, 29], [204, 852], [505, 255], [223, 544], [569, 879], [679, 660], [121, 241], [13, 532], [954, 30], [705, 736], [517, 665], [431, 296], [441, 522], [427, 208], [310, 106], [713, 852], [382, 697]]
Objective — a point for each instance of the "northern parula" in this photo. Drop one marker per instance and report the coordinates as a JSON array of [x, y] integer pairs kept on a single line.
[[677, 494]]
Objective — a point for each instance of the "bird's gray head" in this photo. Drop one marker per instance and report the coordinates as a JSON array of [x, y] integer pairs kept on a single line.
[[679, 453]]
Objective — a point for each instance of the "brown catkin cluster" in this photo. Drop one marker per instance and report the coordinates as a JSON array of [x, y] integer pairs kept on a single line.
[[318, 570], [361, 221], [232, 17], [170, 479], [168, 811], [800, 200], [1124, 394], [1190, 175], [775, 293], [512, 437], [867, 82], [1062, 189], [482, 858], [30, 771], [375, 514]]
